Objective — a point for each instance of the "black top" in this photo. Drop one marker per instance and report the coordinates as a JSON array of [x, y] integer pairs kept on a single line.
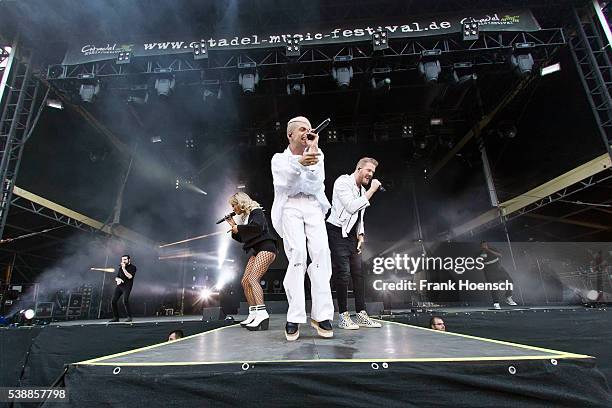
[[131, 269], [255, 231]]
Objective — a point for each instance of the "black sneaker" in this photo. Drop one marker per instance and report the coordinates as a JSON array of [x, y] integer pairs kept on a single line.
[[324, 328], [292, 331]]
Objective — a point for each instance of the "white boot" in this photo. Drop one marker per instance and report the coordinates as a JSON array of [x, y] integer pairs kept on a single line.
[[261, 321], [250, 317], [510, 301], [345, 322]]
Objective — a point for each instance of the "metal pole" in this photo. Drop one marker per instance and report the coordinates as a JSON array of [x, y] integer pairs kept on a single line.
[[542, 280]]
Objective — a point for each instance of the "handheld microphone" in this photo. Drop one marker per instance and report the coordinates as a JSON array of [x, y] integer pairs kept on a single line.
[[226, 217], [319, 128], [381, 188]]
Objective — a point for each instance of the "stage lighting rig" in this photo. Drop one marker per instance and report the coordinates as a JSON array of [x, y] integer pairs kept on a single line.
[[522, 60], [89, 91], [248, 78], [211, 89], [295, 84], [407, 131], [430, 66], [124, 57], [292, 47], [470, 31], [200, 50], [380, 40], [332, 136]]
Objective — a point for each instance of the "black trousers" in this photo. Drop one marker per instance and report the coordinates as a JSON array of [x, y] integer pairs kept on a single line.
[[346, 263], [496, 273], [124, 290]]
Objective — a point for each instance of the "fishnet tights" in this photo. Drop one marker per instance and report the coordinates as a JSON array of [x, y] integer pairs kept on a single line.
[[256, 267]]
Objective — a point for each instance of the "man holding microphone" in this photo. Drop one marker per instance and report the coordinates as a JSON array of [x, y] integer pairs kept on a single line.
[[346, 232], [124, 280]]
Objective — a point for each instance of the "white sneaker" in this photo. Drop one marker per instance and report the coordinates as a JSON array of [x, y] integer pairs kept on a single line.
[[345, 322], [510, 301], [363, 320], [496, 306]]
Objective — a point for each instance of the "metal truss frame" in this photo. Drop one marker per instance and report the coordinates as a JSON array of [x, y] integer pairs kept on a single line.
[[581, 178], [402, 54], [592, 53]]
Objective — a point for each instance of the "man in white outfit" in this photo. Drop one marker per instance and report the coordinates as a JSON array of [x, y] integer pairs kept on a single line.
[[298, 215]]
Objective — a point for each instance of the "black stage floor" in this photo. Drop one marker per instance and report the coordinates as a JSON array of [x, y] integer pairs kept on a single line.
[[396, 365]]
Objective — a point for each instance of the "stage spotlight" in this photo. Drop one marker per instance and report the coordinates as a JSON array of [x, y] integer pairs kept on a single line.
[[436, 122], [88, 92], [205, 293], [380, 40], [332, 136], [29, 314], [260, 139], [212, 89], [264, 285], [56, 72], [123, 57], [470, 31], [295, 84], [522, 64], [462, 73], [200, 50], [430, 70], [164, 86], [550, 69], [343, 76], [381, 80], [292, 47], [407, 131], [55, 104], [248, 82]]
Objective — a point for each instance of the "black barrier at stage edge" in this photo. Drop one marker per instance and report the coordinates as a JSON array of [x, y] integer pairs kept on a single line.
[[14, 345], [52, 347], [524, 383]]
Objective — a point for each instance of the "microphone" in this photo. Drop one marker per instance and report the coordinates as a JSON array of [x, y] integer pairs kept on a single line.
[[319, 128], [225, 217], [381, 188]]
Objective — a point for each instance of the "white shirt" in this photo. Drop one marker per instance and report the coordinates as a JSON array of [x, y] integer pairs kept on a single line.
[[290, 178], [348, 206]]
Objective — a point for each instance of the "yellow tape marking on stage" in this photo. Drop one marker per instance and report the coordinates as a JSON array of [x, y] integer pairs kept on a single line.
[[553, 354], [506, 343]]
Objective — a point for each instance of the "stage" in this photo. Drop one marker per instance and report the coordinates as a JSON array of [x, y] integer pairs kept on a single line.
[[396, 365]]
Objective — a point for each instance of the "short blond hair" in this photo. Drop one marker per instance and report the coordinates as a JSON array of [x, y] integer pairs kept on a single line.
[[246, 203], [295, 123], [362, 162]]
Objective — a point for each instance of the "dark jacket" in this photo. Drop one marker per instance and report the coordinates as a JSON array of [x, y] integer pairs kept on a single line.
[[255, 231]]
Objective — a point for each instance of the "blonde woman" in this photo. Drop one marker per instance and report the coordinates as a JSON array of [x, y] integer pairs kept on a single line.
[[257, 239]]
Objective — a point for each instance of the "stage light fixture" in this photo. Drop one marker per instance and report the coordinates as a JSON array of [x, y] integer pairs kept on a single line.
[[430, 70], [522, 64], [470, 31], [200, 50], [29, 314], [124, 57], [380, 40], [138, 100], [56, 72], [260, 139], [332, 136], [276, 286], [88, 92], [165, 86], [156, 139], [248, 81], [205, 293], [343, 76], [550, 69], [436, 121], [407, 131], [55, 104], [264, 284], [462, 73], [295, 84], [381, 80], [292, 47], [211, 89]]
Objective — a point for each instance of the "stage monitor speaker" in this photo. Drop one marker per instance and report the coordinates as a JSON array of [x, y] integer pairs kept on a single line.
[[210, 314]]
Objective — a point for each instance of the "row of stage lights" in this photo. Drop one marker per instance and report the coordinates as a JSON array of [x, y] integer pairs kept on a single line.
[[342, 72]]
